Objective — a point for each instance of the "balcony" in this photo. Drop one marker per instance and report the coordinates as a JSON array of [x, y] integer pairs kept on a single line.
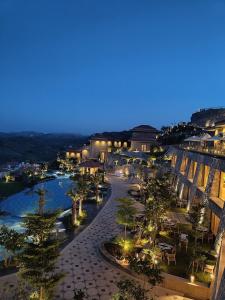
[[203, 149]]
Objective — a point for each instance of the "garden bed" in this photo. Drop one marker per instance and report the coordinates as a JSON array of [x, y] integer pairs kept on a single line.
[[183, 258], [197, 290]]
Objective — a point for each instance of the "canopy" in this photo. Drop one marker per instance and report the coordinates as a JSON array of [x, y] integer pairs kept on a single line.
[[205, 137], [193, 139], [215, 138]]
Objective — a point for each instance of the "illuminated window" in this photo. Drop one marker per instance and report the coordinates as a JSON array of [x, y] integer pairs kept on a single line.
[[144, 148], [222, 186], [109, 143]]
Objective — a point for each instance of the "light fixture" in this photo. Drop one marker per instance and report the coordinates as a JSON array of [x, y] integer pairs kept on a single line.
[[192, 278]]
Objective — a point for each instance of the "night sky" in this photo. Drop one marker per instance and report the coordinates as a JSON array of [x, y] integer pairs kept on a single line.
[[95, 65]]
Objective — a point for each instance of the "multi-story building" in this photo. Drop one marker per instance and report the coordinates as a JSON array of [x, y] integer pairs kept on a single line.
[[143, 138], [103, 144], [199, 178], [140, 138], [79, 154]]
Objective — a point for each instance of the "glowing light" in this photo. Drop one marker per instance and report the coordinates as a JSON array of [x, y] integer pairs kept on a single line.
[[181, 191], [192, 278]]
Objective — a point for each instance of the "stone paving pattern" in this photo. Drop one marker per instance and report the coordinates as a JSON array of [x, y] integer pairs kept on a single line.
[[81, 259]]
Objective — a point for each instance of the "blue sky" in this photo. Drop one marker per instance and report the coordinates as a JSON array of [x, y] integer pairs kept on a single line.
[[93, 65]]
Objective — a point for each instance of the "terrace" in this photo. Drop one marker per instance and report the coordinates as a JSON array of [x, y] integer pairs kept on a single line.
[[210, 150], [164, 239]]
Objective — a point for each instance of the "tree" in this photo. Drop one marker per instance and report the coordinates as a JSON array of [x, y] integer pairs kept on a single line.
[[96, 180], [41, 203], [11, 242], [79, 294], [125, 213], [129, 290], [39, 253], [126, 244], [160, 196], [75, 197], [82, 190], [196, 218], [152, 272]]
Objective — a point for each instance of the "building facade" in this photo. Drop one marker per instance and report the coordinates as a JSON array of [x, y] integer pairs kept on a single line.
[[200, 178], [143, 138], [102, 145]]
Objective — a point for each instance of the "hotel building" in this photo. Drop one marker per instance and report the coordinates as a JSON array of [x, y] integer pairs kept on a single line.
[[199, 177]]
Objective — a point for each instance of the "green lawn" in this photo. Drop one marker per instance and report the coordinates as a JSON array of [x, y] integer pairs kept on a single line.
[[10, 188]]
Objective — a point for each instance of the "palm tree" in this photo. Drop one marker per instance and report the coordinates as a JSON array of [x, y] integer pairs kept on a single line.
[[41, 203], [75, 197], [125, 213], [96, 180], [82, 190]]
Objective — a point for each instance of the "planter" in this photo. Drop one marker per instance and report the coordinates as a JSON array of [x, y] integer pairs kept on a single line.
[[183, 286]]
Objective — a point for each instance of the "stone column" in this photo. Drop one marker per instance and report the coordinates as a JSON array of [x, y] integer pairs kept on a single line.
[[187, 168], [193, 186]]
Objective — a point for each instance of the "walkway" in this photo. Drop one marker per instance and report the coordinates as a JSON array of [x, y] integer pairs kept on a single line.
[[81, 259]]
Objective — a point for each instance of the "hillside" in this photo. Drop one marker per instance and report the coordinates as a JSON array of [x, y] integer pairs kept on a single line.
[[26, 146]]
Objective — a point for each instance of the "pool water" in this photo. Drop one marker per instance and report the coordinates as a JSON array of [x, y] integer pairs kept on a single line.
[[18, 205]]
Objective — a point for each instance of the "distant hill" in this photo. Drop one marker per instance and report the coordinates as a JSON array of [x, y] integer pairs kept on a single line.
[[34, 146]]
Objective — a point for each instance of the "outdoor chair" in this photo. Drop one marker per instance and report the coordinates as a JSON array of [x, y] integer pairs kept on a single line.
[[174, 250], [210, 237], [209, 269], [171, 258], [201, 237], [184, 243], [199, 263], [159, 256]]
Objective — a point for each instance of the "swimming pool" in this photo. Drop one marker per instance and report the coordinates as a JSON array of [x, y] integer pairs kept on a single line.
[[18, 205]]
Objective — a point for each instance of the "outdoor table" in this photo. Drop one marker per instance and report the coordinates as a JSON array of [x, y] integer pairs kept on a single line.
[[170, 223], [183, 236], [165, 246], [202, 229]]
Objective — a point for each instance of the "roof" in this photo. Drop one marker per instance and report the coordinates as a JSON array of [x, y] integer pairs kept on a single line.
[[193, 139], [219, 123], [99, 137], [80, 149], [144, 138], [112, 136], [72, 150], [145, 128], [90, 164]]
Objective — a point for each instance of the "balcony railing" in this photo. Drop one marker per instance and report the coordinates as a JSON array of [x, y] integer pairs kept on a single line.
[[203, 149]]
